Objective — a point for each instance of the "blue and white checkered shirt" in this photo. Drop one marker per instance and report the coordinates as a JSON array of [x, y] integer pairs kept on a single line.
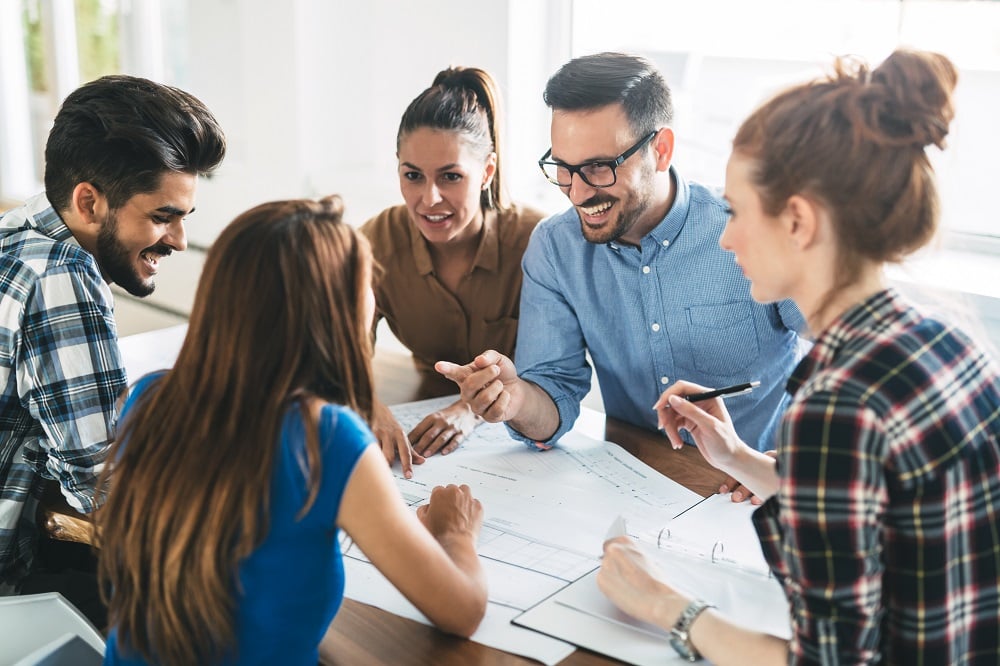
[[60, 370], [677, 307]]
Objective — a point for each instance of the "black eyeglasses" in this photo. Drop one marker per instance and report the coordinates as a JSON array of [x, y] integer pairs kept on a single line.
[[599, 173]]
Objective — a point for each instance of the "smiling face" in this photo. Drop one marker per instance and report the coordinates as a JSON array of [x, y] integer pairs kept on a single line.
[[758, 241], [441, 178], [134, 238], [628, 209]]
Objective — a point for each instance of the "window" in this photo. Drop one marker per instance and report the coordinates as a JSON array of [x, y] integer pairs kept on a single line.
[[47, 49], [722, 58]]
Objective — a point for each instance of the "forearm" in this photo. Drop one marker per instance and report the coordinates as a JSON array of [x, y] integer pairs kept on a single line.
[[467, 593], [538, 417], [716, 638], [755, 470], [722, 642]]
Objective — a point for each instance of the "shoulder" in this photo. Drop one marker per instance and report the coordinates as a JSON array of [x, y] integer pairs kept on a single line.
[[517, 223], [34, 254], [388, 226], [559, 225], [522, 215], [143, 385], [706, 203], [343, 423]]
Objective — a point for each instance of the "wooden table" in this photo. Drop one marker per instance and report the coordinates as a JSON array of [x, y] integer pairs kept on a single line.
[[363, 634]]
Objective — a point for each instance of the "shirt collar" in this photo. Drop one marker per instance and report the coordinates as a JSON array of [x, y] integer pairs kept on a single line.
[[863, 318], [673, 222], [487, 254], [37, 213]]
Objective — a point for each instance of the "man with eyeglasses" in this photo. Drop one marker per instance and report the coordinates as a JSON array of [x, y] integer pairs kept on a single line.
[[632, 273]]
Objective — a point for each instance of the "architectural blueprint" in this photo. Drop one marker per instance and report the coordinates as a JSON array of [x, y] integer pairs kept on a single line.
[[546, 515]]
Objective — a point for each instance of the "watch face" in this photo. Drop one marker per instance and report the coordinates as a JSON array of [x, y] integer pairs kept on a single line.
[[680, 643]]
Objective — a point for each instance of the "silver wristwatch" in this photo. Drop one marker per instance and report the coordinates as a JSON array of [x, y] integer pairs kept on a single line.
[[680, 634]]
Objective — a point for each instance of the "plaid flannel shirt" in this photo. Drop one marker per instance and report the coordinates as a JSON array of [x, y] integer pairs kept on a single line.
[[884, 531], [60, 370]]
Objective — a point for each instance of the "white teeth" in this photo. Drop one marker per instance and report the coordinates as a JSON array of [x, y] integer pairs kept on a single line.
[[597, 210], [436, 218]]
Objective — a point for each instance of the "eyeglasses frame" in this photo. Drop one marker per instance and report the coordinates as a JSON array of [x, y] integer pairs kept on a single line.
[[577, 169]]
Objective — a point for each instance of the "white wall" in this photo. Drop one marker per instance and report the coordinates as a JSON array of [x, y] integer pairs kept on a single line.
[[310, 92]]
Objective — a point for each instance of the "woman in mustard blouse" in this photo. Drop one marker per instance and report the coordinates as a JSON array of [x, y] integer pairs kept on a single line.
[[451, 253]]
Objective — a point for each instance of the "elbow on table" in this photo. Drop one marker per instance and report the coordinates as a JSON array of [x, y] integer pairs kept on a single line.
[[464, 617]]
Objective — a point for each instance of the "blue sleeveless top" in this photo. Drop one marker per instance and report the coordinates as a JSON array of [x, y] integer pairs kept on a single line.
[[293, 584]]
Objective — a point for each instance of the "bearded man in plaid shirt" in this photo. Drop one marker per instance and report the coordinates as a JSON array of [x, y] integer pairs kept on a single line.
[[122, 164]]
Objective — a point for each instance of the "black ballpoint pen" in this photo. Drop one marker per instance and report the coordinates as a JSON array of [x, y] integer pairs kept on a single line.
[[722, 392]]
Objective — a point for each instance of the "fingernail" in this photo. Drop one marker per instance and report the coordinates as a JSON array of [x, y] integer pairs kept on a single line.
[[737, 496], [408, 474], [723, 489]]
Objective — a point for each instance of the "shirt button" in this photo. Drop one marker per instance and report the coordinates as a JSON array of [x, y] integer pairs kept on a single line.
[[664, 380], [666, 243], [655, 327], [645, 269]]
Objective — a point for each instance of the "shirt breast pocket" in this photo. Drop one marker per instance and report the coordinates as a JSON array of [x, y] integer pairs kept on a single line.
[[499, 334], [722, 339]]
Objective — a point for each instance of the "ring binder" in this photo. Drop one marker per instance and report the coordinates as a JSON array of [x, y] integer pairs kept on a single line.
[[718, 549], [707, 531]]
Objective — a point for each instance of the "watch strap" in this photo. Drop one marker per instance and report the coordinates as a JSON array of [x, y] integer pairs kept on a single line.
[[680, 634]]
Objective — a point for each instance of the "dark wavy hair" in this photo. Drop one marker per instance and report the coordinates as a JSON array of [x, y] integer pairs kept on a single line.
[[122, 133], [592, 81]]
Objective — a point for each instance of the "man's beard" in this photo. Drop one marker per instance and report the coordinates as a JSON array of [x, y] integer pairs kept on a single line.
[[113, 258], [629, 211]]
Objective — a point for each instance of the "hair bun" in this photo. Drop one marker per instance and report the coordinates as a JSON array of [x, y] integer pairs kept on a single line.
[[333, 204], [917, 104]]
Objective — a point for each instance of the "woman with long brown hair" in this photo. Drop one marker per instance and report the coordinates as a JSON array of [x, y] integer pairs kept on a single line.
[[881, 511], [235, 470]]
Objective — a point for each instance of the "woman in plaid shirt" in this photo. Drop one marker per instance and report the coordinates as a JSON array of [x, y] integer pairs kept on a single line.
[[880, 518]]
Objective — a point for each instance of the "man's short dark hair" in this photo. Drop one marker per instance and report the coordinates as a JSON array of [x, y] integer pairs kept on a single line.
[[592, 81], [122, 133]]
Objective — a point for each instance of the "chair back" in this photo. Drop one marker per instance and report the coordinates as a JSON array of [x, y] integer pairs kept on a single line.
[[45, 629]]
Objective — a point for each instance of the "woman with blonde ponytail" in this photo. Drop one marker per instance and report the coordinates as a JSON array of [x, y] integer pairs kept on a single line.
[[881, 513], [234, 471]]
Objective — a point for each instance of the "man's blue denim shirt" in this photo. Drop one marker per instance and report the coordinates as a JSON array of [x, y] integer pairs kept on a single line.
[[678, 307]]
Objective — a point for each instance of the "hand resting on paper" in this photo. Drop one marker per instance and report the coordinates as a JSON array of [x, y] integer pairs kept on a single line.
[[393, 440], [628, 578], [452, 513], [444, 430]]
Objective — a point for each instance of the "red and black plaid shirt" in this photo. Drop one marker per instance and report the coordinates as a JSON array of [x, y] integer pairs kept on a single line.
[[885, 530]]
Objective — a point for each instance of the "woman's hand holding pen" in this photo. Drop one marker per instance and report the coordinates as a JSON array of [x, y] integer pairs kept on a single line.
[[711, 427], [708, 421]]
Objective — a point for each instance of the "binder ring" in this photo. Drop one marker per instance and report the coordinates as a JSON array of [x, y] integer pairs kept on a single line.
[[664, 535], [717, 551]]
